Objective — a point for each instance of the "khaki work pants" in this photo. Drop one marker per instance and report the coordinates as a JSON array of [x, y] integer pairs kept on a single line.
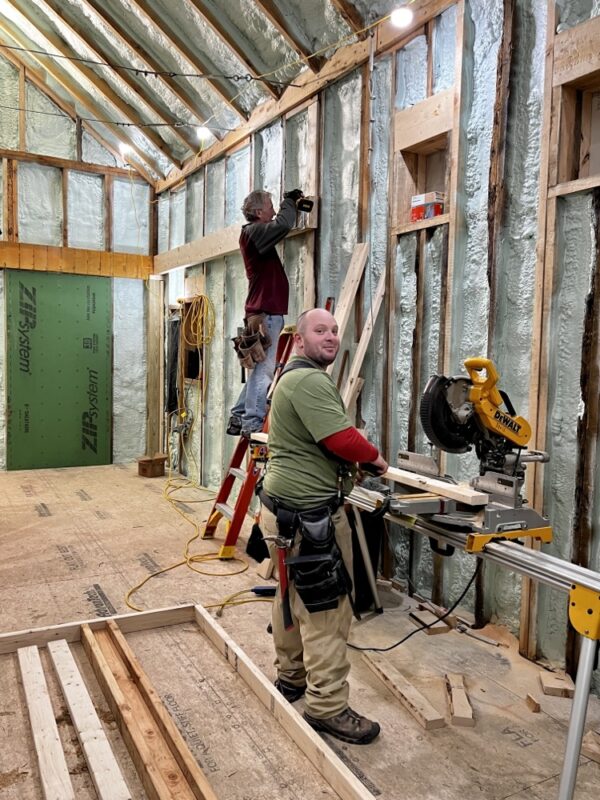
[[314, 650]]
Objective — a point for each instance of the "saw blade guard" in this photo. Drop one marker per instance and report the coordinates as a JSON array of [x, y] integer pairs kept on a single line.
[[445, 418]]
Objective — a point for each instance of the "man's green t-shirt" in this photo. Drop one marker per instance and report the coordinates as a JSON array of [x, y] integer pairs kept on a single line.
[[306, 408]]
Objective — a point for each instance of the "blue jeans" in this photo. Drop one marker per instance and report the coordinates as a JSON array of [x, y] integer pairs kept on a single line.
[[251, 405]]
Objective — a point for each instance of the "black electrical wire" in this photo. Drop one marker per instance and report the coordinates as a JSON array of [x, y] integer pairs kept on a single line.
[[246, 76], [424, 627]]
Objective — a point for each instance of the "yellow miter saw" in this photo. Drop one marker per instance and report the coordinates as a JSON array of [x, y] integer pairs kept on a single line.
[[460, 414]]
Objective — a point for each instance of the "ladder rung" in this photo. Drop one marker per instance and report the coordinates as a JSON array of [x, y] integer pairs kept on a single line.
[[225, 509], [238, 472]]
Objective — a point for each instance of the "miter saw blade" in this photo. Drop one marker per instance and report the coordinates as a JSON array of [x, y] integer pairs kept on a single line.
[[447, 415]]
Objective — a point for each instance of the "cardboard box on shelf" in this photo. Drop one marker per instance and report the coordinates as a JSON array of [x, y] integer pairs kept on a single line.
[[427, 205]]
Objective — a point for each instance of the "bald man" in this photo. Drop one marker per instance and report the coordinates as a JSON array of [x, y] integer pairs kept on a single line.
[[314, 450]]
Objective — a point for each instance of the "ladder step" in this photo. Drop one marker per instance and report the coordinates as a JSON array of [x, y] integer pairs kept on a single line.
[[238, 472], [225, 509]]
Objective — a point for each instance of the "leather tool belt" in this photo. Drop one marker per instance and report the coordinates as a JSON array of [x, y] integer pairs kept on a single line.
[[318, 571], [252, 342]]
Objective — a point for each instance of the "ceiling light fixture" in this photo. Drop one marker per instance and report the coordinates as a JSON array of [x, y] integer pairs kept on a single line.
[[401, 17], [125, 149], [203, 133]]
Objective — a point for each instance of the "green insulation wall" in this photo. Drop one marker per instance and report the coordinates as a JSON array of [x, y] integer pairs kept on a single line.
[[59, 340]]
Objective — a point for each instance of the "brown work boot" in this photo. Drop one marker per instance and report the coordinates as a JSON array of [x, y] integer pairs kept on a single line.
[[348, 726]]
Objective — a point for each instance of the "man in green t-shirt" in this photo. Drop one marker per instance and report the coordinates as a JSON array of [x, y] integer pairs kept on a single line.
[[314, 449]]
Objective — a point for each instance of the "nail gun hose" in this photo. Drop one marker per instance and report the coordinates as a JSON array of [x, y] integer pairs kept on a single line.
[[424, 627]]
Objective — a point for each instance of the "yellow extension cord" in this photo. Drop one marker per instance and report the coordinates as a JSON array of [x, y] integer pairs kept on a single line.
[[201, 319]]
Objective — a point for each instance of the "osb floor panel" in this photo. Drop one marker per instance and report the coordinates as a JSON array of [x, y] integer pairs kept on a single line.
[[74, 541]]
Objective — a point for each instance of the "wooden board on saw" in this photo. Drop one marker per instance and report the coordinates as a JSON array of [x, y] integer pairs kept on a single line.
[[460, 492]]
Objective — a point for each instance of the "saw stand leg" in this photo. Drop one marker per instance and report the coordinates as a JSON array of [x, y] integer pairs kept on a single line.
[[584, 615], [360, 535], [583, 682]]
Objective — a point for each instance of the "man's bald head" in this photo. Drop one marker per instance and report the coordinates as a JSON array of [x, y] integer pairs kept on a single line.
[[317, 336]]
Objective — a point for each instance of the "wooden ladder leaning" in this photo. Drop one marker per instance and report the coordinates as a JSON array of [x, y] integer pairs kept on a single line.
[[251, 473]]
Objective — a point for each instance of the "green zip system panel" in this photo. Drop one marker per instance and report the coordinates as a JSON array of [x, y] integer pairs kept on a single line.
[[59, 376]]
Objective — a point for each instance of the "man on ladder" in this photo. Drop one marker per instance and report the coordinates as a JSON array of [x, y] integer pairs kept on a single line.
[[266, 304]]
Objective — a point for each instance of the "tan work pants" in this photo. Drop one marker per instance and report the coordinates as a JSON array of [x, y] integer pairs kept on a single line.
[[314, 650]]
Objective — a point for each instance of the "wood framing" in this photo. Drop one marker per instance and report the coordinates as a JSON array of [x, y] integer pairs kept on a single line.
[[350, 391], [414, 702], [38, 80], [306, 85], [44, 258], [162, 759], [155, 377], [99, 638], [10, 218], [214, 245], [97, 7], [576, 55], [56, 9], [433, 117], [54, 773], [277, 19], [173, 39], [104, 88], [226, 36], [103, 766], [66, 163], [22, 109], [67, 82], [348, 11]]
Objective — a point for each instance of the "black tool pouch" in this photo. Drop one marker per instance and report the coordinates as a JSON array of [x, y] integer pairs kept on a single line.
[[318, 570]]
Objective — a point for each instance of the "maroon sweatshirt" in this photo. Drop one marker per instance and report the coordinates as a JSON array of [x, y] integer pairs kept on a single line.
[[268, 288]]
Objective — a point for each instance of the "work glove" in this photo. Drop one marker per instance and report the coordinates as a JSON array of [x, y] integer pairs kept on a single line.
[[294, 194]]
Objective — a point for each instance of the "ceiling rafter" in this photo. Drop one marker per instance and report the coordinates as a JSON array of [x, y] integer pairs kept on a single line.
[[187, 100], [55, 7], [100, 84], [68, 83], [217, 26], [182, 48], [270, 10], [37, 78], [350, 14]]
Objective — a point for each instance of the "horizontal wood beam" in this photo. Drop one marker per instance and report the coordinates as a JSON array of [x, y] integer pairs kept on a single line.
[[74, 260], [577, 56], [66, 163], [461, 492], [306, 86], [423, 122], [221, 243], [71, 631], [572, 187]]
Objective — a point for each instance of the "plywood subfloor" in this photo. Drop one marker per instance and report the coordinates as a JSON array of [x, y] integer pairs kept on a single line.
[[75, 540]]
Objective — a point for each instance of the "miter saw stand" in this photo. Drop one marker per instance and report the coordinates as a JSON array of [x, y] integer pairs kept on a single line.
[[489, 515], [502, 514]]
